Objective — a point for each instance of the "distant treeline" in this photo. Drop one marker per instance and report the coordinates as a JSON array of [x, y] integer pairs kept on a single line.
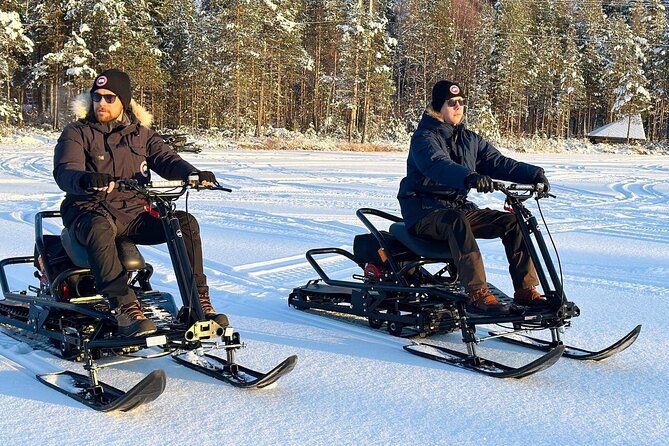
[[359, 69]]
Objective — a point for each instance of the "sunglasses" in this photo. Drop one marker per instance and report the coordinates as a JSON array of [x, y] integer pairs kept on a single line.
[[109, 98], [454, 102]]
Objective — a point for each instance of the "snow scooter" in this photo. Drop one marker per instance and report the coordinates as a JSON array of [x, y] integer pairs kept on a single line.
[[411, 284], [66, 311]]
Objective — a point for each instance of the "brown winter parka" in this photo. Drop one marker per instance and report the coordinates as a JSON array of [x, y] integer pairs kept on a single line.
[[127, 150]]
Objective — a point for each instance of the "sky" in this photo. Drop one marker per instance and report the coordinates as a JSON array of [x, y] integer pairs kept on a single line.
[[353, 384]]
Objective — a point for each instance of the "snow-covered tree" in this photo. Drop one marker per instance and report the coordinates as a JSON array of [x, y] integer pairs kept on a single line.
[[426, 51], [512, 55], [175, 25], [74, 58], [321, 43], [590, 23], [121, 35], [13, 44], [656, 49], [482, 120], [625, 73], [571, 91], [365, 77]]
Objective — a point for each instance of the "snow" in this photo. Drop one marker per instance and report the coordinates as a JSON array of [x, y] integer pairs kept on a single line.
[[352, 384]]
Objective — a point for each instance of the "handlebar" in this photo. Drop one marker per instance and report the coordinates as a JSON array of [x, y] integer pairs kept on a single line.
[[171, 186], [522, 191]]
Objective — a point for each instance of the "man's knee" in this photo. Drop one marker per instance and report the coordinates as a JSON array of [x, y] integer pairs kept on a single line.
[[510, 223], [453, 222], [188, 222]]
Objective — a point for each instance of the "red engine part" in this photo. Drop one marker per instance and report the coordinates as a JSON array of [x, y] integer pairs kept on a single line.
[[373, 273]]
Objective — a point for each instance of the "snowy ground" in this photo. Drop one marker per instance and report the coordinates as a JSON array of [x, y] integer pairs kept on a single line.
[[355, 385]]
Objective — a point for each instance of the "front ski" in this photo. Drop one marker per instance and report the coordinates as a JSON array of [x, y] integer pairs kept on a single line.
[[569, 351], [482, 365], [235, 374], [103, 397]]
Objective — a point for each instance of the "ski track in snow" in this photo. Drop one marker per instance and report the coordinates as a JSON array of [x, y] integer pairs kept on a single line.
[[354, 385]]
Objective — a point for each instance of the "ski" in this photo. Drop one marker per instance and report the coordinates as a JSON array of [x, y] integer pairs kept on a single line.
[[569, 351], [103, 397], [482, 365], [235, 374]]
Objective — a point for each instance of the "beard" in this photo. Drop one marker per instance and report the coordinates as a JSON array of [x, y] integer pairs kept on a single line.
[[105, 115]]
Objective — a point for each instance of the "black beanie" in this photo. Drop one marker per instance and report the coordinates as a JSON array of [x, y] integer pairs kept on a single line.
[[116, 81], [442, 92]]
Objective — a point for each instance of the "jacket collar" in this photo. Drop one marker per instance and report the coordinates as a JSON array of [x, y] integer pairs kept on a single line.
[[435, 121]]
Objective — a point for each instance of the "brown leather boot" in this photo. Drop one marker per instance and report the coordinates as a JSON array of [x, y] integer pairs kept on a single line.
[[132, 322], [481, 300], [529, 297], [209, 312]]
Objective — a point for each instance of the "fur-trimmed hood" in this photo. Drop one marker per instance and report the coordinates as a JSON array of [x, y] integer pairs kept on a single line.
[[433, 113], [81, 107]]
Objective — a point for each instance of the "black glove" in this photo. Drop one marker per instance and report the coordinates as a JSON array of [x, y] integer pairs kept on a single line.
[[205, 175], [541, 178], [482, 183], [94, 179]]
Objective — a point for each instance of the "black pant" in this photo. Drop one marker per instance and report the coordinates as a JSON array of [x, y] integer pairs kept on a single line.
[[98, 234], [460, 229]]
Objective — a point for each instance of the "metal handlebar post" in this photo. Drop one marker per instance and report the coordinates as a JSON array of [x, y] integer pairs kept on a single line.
[[173, 235], [516, 194]]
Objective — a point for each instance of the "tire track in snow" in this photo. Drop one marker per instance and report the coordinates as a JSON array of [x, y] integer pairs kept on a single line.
[[28, 166]]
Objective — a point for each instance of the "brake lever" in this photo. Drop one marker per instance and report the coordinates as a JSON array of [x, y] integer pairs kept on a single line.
[[545, 195], [221, 188]]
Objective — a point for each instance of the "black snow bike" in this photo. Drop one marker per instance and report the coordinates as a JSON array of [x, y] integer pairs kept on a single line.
[[411, 285], [66, 312]]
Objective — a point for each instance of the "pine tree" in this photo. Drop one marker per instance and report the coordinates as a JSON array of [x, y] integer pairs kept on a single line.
[[512, 55], [121, 35], [74, 58], [282, 66], [428, 51], [49, 30], [625, 76], [572, 85], [14, 45], [656, 49], [590, 24], [175, 25], [321, 43]]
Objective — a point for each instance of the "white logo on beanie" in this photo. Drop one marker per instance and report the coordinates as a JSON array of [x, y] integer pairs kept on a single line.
[[102, 80], [454, 89], [144, 168]]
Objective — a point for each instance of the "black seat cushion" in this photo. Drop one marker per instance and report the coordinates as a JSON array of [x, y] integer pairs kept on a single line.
[[130, 257], [429, 249]]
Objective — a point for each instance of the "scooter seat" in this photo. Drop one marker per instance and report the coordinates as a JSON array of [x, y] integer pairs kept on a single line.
[[429, 249], [130, 257]]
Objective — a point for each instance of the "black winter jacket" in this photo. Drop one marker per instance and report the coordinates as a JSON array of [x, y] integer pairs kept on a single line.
[[440, 158], [125, 152]]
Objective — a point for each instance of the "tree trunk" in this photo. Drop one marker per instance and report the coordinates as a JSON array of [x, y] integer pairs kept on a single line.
[[315, 103], [238, 88], [277, 118], [261, 98]]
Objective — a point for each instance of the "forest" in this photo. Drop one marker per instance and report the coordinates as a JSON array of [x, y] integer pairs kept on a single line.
[[361, 70]]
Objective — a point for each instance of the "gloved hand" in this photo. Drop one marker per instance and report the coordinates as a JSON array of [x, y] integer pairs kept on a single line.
[[95, 181], [541, 178], [482, 183], [205, 175]]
